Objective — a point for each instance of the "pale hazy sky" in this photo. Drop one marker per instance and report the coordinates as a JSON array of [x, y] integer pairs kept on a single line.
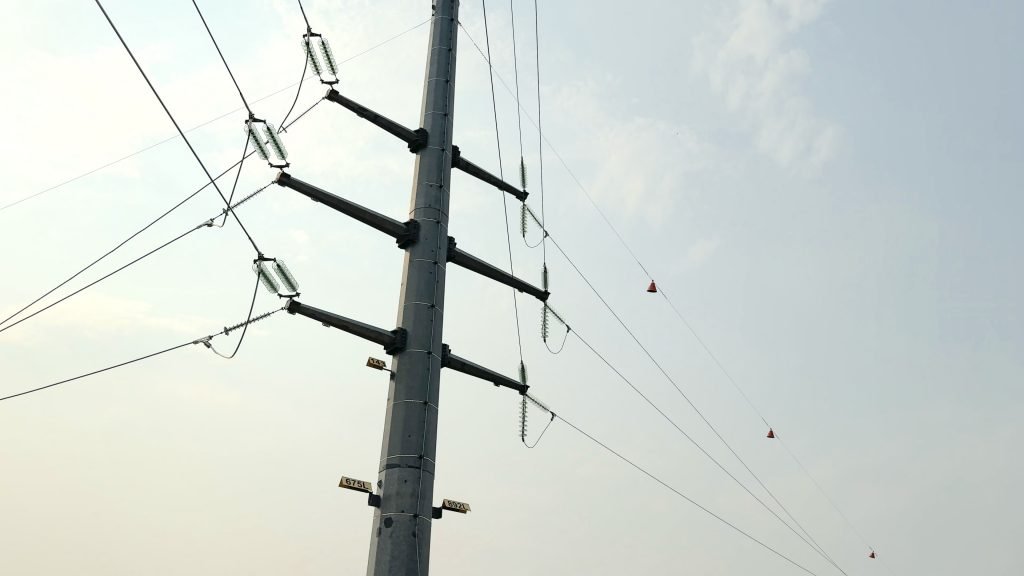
[[830, 191]]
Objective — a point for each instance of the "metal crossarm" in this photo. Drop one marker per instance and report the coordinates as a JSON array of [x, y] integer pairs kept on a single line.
[[449, 360], [470, 262], [416, 139], [404, 233], [393, 341]]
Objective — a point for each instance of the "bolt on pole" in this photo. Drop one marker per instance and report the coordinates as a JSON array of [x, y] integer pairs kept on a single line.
[[400, 539]]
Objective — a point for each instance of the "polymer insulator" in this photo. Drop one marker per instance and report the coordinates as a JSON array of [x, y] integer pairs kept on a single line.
[[522, 219], [544, 276], [523, 412], [285, 276], [256, 140], [329, 61], [522, 173], [266, 278], [522, 373], [275, 141], [314, 63], [544, 324], [249, 197]]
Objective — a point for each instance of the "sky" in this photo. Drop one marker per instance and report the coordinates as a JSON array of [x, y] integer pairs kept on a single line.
[[828, 190]]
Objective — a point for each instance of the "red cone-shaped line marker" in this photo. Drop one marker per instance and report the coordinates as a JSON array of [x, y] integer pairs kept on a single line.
[[652, 288], [771, 433]]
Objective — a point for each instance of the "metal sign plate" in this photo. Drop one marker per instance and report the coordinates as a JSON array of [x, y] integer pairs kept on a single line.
[[455, 506], [357, 485]]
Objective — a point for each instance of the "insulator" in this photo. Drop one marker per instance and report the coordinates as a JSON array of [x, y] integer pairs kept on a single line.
[[263, 271], [522, 373], [311, 56], [285, 276], [522, 173], [544, 277], [256, 140], [329, 61], [522, 219], [544, 324], [523, 412], [275, 141]]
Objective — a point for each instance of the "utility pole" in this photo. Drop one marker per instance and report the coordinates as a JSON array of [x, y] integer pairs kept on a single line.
[[400, 540]]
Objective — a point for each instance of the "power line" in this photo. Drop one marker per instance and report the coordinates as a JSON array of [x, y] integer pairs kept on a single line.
[[515, 66], [176, 126], [389, 40], [823, 493], [108, 164], [640, 264], [224, 60], [305, 66], [245, 103], [523, 406], [700, 341], [206, 224], [139, 359], [682, 394], [621, 322], [111, 251], [704, 451], [540, 131], [204, 340], [806, 536], [303, 10], [778, 437], [210, 121], [144, 228], [501, 173], [677, 492], [245, 328], [238, 174]]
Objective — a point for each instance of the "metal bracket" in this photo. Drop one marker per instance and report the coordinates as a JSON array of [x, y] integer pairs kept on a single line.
[[419, 142], [410, 236], [373, 500], [401, 336]]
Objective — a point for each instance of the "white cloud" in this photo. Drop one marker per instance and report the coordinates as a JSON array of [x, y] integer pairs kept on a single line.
[[639, 164], [750, 62]]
